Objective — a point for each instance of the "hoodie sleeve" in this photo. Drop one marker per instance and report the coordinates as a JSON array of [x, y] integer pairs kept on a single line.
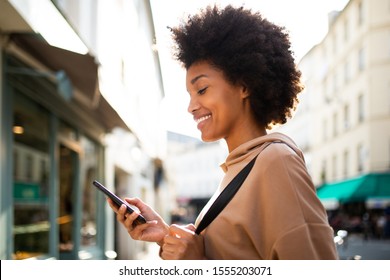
[[297, 223]]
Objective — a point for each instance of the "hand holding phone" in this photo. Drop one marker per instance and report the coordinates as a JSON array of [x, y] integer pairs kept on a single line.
[[118, 201]]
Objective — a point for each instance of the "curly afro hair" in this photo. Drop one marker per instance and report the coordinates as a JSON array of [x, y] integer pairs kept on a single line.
[[249, 50]]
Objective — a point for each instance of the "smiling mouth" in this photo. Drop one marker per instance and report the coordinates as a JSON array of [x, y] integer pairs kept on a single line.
[[198, 121]]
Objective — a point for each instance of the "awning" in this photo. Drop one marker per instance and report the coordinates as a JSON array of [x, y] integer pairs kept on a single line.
[[360, 189], [82, 71]]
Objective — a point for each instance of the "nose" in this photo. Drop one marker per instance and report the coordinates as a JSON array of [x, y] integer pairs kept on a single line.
[[193, 105]]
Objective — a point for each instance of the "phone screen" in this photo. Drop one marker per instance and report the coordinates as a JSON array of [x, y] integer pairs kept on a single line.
[[118, 201]]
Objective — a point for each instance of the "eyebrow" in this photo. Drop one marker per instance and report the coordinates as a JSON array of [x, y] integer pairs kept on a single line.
[[197, 78]]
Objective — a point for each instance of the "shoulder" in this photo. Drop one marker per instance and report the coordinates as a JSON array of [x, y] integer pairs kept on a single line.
[[280, 151], [279, 161]]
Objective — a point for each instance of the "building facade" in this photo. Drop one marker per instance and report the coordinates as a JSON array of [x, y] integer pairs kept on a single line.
[[70, 114], [343, 121], [193, 171]]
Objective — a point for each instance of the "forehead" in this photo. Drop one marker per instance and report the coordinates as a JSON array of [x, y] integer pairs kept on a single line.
[[200, 70]]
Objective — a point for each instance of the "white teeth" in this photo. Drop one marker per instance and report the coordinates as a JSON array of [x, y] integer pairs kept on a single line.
[[203, 118]]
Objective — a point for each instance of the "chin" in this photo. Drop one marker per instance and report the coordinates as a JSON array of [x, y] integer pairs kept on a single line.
[[209, 138]]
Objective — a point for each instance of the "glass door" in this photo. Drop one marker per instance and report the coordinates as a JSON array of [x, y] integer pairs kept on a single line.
[[31, 179], [68, 159]]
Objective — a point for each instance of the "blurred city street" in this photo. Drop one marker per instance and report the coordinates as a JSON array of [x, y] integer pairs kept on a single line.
[[356, 247]]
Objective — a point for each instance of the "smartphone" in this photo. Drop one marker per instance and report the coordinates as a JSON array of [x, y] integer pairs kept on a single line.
[[140, 219]]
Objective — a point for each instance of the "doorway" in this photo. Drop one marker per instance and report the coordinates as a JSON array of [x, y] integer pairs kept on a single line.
[[67, 201]]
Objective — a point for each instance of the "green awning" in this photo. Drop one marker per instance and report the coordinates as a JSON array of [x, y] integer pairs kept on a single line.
[[359, 189]]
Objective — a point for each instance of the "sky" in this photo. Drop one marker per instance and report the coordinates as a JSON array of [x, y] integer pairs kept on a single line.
[[306, 21]]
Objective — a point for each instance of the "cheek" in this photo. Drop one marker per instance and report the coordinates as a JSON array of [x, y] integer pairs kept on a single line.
[[230, 107]]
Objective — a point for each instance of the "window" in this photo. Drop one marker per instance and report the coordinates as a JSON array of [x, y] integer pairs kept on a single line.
[[67, 195], [361, 60], [334, 167], [334, 44], [28, 166], [89, 170], [123, 71], [346, 163], [360, 14], [361, 115], [346, 30], [347, 73], [346, 117], [31, 169], [335, 124], [335, 84], [325, 130], [360, 158], [323, 172]]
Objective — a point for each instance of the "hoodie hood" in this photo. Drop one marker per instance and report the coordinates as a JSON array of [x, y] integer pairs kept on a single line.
[[250, 149]]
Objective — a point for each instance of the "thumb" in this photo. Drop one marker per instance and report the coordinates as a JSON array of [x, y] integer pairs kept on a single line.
[[191, 227], [178, 231]]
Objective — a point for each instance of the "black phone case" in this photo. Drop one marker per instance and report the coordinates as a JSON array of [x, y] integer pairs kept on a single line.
[[140, 219]]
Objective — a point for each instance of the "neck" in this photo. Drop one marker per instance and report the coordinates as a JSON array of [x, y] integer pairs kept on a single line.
[[244, 136]]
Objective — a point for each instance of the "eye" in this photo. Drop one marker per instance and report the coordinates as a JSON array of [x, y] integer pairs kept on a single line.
[[202, 91]]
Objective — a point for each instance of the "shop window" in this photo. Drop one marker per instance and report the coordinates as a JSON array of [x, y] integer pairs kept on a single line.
[[89, 171], [67, 173], [31, 147]]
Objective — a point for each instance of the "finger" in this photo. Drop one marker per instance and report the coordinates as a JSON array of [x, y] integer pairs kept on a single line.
[[165, 255], [190, 227], [174, 247], [179, 231], [133, 200], [122, 209], [129, 219], [137, 203], [170, 240], [171, 244], [112, 205], [120, 214]]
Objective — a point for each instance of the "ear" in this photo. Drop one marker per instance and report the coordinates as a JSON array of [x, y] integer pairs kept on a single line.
[[244, 91]]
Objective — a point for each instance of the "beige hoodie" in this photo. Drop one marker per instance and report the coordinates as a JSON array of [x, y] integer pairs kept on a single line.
[[275, 214]]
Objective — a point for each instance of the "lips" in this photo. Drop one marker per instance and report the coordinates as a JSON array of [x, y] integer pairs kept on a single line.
[[201, 119]]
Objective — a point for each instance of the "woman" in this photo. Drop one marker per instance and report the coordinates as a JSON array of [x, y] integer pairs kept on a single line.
[[241, 78]]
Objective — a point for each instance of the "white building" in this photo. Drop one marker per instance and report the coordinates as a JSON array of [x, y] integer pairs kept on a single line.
[[121, 34], [80, 101], [193, 171], [344, 123]]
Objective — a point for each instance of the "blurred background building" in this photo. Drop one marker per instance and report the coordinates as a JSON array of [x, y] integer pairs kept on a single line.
[[86, 105], [74, 108], [343, 120], [193, 172]]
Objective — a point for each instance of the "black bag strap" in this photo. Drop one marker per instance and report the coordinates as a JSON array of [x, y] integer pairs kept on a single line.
[[227, 194]]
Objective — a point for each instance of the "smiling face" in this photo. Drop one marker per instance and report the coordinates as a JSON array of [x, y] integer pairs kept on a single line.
[[220, 109]]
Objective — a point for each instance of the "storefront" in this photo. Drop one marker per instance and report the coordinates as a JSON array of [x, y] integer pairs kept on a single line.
[[358, 204], [52, 127], [372, 189]]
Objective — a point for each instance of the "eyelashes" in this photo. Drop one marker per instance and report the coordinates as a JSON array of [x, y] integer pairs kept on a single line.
[[202, 91]]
